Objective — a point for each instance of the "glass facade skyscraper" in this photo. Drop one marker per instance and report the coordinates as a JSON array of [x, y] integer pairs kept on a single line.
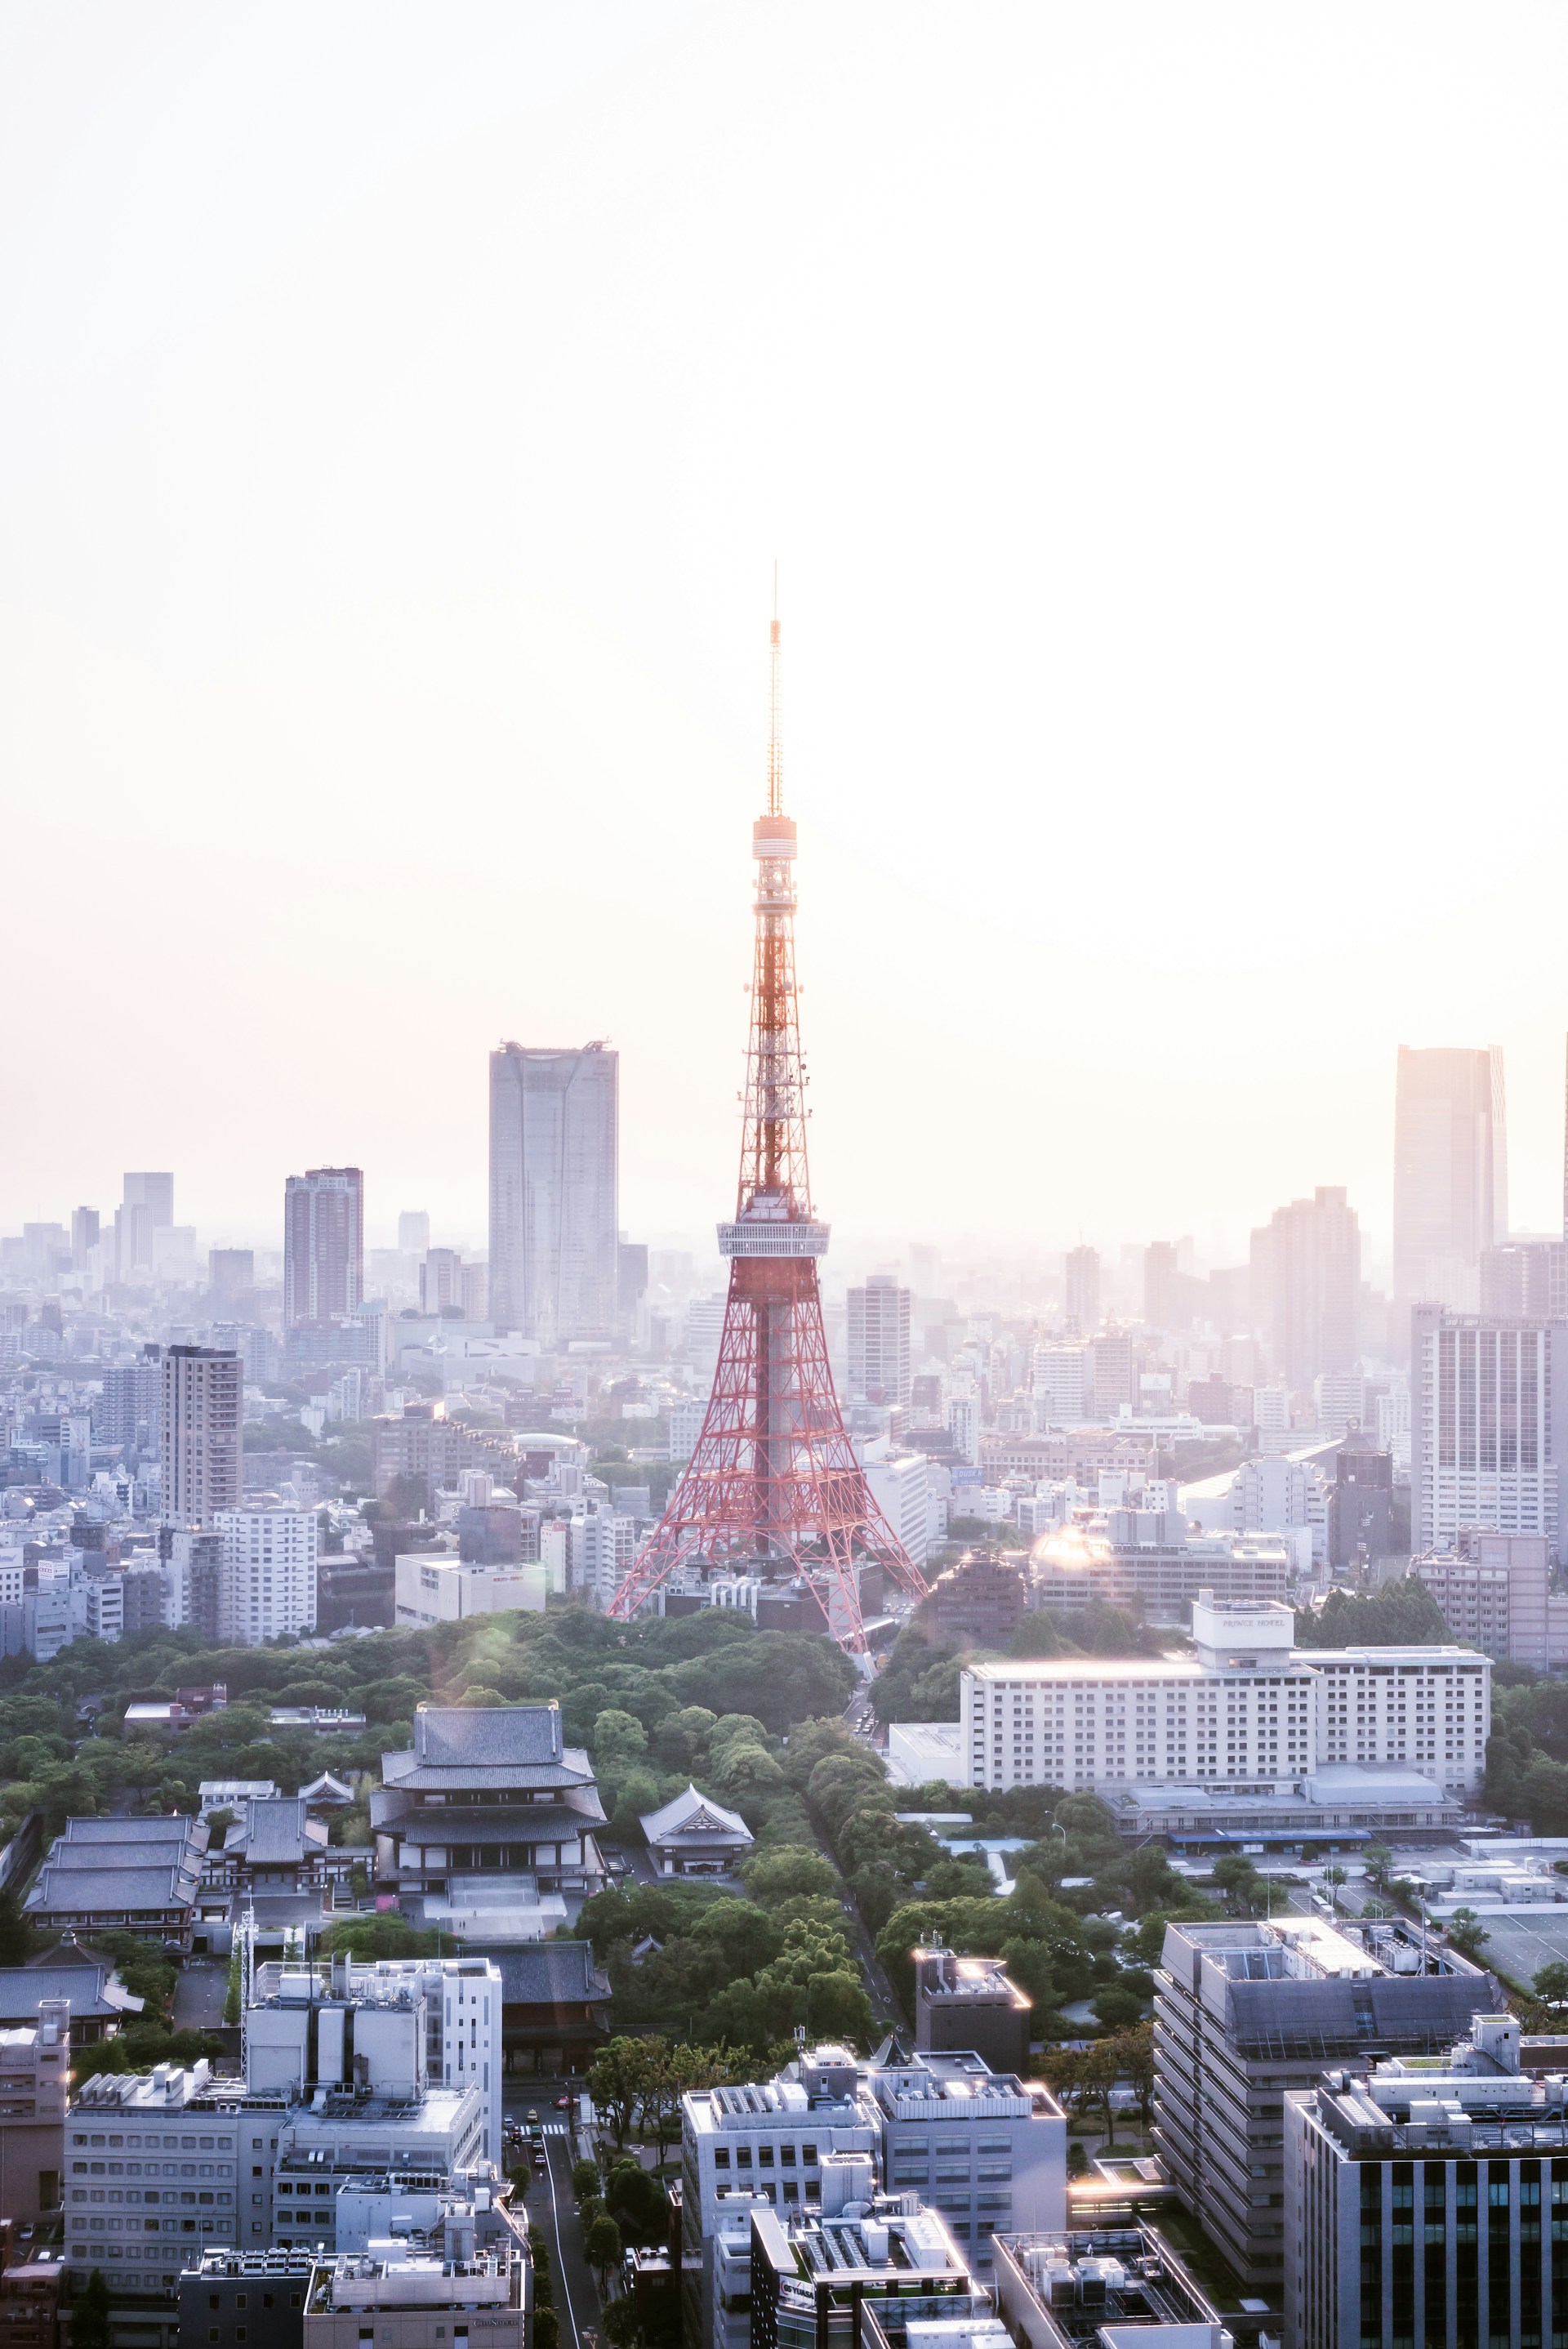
[[554, 1192]]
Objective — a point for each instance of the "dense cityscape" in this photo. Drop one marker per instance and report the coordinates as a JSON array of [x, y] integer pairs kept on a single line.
[[786, 1566]]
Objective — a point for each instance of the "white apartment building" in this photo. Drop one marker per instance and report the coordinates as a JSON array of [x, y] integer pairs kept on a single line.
[[1394, 1426], [1341, 1400], [1276, 1496], [1063, 1380], [687, 1414], [443, 1588], [1249, 1712], [267, 1573], [1488, 1426], [879, 1346], [900, 1487]]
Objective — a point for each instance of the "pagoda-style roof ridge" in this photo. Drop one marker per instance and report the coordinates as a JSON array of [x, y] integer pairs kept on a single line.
[[457, 1737], [407, 1770]]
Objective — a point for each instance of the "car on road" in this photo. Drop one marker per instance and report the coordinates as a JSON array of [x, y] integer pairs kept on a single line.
[[563, 2104], [538, 2157]]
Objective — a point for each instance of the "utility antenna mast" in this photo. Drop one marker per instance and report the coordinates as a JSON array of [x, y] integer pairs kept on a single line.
[[773, 1488]]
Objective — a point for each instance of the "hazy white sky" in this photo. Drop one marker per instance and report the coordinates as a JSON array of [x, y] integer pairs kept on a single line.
[[1158, 414]]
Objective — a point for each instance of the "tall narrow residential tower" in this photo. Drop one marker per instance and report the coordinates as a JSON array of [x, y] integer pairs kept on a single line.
[[324, 1244], [554, 1236], [773, 1488]]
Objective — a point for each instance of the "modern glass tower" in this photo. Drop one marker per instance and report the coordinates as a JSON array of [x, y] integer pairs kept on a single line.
[[553, 1199]]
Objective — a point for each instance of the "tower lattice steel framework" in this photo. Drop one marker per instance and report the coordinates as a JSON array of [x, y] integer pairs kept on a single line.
[[773, 1486]]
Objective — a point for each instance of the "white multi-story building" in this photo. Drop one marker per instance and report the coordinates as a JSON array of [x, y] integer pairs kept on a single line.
[[438, 1589], [1248, 1713], [388, 2026], [687, 1414], [1278, 1495], [986, 2150], [1488, 1426], [1063, 1378], [1341, 1400], [153, 2169], [267, 1573], [901, 1488], [878, 1331], [1394, 1426]]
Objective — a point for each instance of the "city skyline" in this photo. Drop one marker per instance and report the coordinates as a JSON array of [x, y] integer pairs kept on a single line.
[[1082, 752]]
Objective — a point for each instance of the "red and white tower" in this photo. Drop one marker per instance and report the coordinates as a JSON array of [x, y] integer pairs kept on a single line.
[[773, 1488]]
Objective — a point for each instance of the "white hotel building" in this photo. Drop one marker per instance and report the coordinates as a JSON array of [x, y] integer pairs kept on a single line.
[[1248, 1714]]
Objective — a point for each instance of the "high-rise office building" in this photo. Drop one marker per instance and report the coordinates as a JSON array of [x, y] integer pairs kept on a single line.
[[1244, 2012], [1488, 1426], [413, 1231], [1427, 2197], [324, 1244], [84, 1235], [1450, 1174], [231, 1272], [554, 1212], [1080, 1289], [200, 1445], [1525, 1278], [145, 1207], [879, 1340], [1306, 1284]]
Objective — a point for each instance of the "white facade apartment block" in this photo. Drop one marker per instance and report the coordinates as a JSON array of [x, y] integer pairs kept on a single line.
[[1063, 1378], [687, 1416], [267, 1579], [1488, 1426], [1250, 1710], [901, 1489], [1276, 1496], [879, 1343]]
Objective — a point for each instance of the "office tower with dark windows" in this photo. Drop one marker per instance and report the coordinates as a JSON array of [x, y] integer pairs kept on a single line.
[[554, 1234], [1429, 2200], [1488, 1426], [1450, 1174], [200, 1447], [324, 1244]]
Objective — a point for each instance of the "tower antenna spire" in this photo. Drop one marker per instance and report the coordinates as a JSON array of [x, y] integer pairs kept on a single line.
[[775, 746], [773, 1493]]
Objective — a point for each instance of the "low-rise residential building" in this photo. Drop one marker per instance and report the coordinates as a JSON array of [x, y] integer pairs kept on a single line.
[[1244, 2012]]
